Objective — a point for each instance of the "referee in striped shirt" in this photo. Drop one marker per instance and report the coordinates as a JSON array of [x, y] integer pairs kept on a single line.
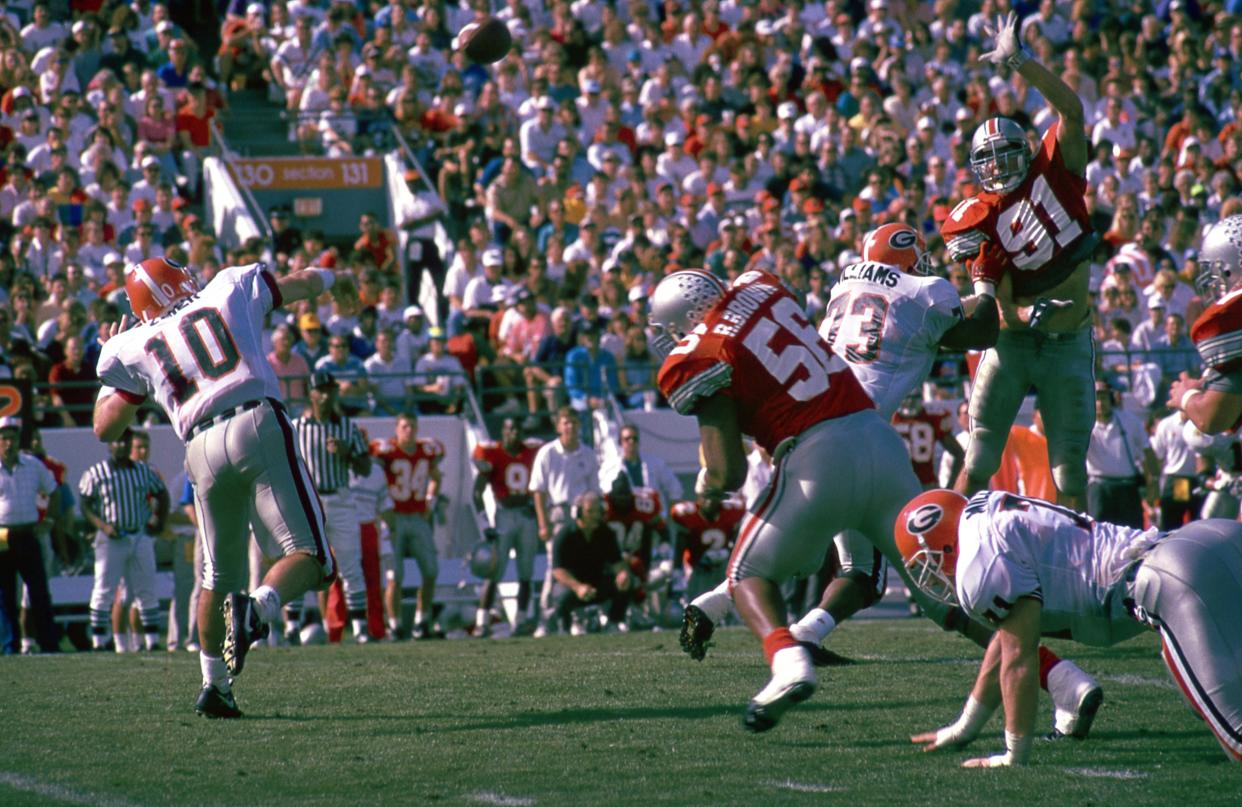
[[332, 445], [114, 499]]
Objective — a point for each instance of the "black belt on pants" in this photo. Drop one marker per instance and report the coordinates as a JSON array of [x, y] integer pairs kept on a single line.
[[218, 418], [1117, 480]]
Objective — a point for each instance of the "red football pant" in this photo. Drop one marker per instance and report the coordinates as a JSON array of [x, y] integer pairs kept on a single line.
[[337, 614]]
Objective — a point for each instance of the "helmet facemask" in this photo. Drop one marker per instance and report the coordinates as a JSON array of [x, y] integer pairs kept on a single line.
[[927, 568], [1212, 281], [1000, 166]]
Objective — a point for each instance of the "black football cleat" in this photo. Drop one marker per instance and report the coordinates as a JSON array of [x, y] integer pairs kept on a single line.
[[696, 632], [823, 657], [242, 628], [1084, 717], [216, 705]]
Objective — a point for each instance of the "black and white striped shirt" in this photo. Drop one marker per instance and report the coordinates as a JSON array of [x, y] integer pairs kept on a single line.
[[119, 493], [328, 471]]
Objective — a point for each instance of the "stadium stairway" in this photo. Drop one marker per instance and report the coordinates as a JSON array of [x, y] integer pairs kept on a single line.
[[256, 127]]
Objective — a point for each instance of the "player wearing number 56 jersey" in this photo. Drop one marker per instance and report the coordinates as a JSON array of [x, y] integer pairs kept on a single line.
[[199, 354], [412, 465], [747, 361], [1031, 224]]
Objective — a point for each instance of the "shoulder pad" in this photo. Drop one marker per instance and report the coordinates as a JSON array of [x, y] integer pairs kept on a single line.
[[1217, 333], [967, 215], [533, 443], [432, 446], [682, 509], [379, 447]]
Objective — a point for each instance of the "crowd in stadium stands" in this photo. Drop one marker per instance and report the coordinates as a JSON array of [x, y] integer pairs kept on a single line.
[[616, 141]]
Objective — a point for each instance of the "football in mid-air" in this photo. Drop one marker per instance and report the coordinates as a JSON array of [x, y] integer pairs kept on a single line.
[[485, 42]]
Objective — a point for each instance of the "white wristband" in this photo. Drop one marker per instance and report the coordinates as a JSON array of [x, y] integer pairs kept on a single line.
[[1020, 57], [327, 276], [1019, 748], [987, 287], [1186, 396]]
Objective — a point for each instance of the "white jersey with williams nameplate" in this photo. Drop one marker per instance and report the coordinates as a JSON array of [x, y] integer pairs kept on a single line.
[[887, 324], [1012, 546], [202, 357]]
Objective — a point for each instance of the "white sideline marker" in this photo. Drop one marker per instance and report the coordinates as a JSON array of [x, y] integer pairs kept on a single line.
[[28, 784]]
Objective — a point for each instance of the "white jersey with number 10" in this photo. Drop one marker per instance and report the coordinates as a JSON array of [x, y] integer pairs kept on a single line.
[[202, 357], [887, 324]]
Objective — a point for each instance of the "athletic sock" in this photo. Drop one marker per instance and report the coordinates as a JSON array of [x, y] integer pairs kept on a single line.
[[815, 626], [1047, 660], [215, 672], [266, 603], [778, 639]]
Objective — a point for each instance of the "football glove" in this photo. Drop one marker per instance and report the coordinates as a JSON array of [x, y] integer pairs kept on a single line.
[[988, 267], [1008, 48]]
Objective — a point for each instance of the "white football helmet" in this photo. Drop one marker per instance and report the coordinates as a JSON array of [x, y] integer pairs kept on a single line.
[[1220, 259], [678, 304], [484, 559], [999, 155]]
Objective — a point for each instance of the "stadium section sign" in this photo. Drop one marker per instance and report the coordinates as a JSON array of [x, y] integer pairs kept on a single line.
[[309, 173]]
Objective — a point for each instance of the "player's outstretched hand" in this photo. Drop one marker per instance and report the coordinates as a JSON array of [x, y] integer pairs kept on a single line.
[[1178, 389], [1045, 307], [951, 737], [345, 294], [994, 761], [1005, 39], [111, 329]]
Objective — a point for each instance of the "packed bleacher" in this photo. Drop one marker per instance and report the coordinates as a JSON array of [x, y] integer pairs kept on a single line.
[[616, 141]]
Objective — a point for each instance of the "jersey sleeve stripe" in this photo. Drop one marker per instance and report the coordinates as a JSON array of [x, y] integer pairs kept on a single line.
[[965, 245], [703, 385], [131, 397], [277, 298], [1221, 350]]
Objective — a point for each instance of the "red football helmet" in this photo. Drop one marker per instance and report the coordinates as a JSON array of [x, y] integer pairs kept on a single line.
[[898, 245], [926, 535], [155, 285]]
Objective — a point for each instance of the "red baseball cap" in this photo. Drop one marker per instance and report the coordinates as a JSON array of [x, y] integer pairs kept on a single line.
[[860, 204], [714, 188]]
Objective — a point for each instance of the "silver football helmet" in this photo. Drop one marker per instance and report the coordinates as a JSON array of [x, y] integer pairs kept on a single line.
[[678, 304], [999, 155], [1220, 259], [484, 558]]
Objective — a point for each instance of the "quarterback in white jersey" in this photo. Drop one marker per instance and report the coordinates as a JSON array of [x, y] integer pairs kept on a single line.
[[1031, 568], [197, 352], [887, 317], [202, 356]]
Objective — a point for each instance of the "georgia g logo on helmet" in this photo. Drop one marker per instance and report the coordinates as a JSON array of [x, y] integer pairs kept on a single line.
[[924, 518], [903, 238]]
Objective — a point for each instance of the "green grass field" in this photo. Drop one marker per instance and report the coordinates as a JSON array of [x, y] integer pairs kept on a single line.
[[592, 720]]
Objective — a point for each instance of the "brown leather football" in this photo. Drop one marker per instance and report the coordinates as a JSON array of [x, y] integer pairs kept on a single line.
[[485, 42]]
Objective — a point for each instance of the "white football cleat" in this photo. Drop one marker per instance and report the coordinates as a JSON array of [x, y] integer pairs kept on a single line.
[[1076, 697], [793, 681]]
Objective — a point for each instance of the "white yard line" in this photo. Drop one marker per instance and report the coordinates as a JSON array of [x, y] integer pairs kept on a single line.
[[29, 784], [500, 799], [1140, 680], [1101, 773], [805, 787]]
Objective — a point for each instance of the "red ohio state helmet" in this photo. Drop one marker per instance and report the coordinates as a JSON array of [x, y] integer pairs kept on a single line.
[[155, 285], [926, 535], [898, 245]]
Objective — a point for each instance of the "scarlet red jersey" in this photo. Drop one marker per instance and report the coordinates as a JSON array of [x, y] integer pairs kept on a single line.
[[757, 347], [635, 530], [1042, 226], [408, 472], [58, 470], [920, 433], [508, 474], [703, 534], [1217, 333]]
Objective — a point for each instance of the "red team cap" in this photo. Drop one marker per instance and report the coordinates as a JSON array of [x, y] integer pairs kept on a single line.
[[155, 285]]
